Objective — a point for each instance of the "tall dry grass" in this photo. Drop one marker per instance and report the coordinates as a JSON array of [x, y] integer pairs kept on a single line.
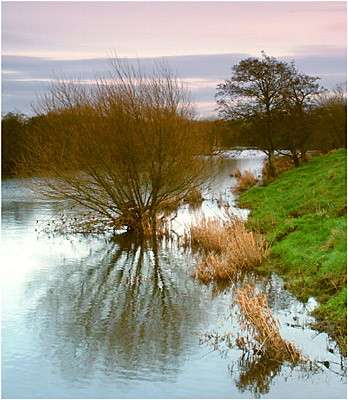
[[194, 197], [261, 329], [229, 247], [213, 268], [207, 233], [244, 248], [281, 164], [263, 349], [245, 181]]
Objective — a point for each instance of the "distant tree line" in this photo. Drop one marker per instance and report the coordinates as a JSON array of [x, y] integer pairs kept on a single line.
[[267, 104], [15, 133], [328, 125]]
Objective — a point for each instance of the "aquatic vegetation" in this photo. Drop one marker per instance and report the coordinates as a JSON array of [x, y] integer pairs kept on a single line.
[[264, 351], [229, 247], [260, 330], [245, 181], [207, 233], [88, 223], [212, 268], [194, 196]]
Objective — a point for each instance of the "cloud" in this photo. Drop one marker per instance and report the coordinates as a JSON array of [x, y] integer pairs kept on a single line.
[[24, 77], [171, 28], [320, 50]]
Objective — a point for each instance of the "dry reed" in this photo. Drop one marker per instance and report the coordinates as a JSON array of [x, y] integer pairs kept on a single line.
[[244, 248], [281, 164], [84, 223], [245, 181], [213, 268], [228, 245], [260, 329], [194, 196], [208, 233]]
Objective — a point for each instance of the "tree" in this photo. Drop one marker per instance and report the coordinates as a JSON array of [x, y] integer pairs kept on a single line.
[[255, 94], [274, 100], [298, 118], [12, 138], [331, 119], [121, 146]]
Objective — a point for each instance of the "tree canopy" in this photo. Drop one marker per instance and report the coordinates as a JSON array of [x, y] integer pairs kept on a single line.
[[262, 93], [121, 146]]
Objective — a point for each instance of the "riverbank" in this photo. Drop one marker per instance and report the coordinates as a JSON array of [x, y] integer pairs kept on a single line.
[[303, 214]]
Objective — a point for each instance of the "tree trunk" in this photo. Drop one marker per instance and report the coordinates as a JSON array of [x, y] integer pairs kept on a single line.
[[271, 166], [295, 158], [304, 155]]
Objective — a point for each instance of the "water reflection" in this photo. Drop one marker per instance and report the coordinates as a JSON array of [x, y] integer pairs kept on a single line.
[[129, 309], [255, 372], [86, 317], [256, 375]]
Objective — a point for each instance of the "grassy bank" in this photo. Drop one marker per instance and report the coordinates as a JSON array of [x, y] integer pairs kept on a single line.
[[303, 214]]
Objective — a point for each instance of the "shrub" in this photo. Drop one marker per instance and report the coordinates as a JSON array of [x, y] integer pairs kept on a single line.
[[120, 147]]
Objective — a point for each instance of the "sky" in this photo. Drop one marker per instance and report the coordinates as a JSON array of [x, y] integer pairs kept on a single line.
[[200, 41]]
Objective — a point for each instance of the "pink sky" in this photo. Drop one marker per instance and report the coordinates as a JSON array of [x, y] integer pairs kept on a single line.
[[147, 29]]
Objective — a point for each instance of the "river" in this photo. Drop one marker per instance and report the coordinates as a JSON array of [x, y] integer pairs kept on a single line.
[[91, 316]]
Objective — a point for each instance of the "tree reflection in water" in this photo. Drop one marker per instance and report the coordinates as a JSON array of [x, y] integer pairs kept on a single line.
[[256, 375], [129, 309], [253, 370]]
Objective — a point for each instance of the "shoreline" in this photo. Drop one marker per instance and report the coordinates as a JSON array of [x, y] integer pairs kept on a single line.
[[303, 215]]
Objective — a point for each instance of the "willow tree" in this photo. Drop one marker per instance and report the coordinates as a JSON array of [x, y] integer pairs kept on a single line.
[[121, 146]]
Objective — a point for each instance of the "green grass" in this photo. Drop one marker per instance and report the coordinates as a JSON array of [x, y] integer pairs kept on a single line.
[[303, 213]]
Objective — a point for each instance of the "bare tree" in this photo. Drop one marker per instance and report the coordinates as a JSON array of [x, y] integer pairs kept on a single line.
[[255, 94], [331, 119], [273, 99], [120, 146], [297, 118]]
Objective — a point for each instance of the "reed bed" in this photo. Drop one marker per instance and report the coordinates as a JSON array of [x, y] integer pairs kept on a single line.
[[213, 268], [260, 330], [229, 247], [256, 335], [244, 248], [245, 181], [194, 197], [88, 223], [207, 233]]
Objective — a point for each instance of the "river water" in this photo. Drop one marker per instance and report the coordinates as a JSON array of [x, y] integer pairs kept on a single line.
[[97, 317]]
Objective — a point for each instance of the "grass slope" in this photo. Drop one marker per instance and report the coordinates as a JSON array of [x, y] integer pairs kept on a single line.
[[303, 213]]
